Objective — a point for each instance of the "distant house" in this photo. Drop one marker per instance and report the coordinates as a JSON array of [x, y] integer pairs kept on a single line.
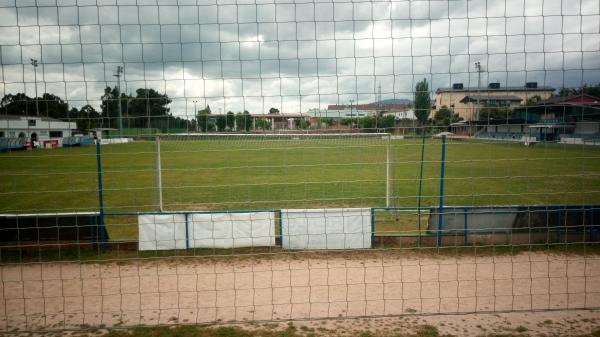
[[38, 130], [341, 113], [468, 101], [371, 109]]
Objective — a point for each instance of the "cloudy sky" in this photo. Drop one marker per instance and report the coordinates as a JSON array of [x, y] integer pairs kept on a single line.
[[293, 55]]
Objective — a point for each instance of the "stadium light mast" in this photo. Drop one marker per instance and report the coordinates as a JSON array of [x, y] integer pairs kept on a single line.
[[196, 115], [478, 67], [118, 76], [34, 63]]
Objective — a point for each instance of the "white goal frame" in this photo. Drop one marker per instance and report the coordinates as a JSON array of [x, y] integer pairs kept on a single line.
[[385, 136]]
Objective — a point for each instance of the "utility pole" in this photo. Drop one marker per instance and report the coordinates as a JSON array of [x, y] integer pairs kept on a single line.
[[34, 63], [118, 76], [478, 67]]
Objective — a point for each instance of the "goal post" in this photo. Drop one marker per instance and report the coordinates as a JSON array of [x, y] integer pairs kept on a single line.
[[275, 170]]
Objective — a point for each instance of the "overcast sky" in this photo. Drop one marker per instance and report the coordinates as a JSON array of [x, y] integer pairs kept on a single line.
[[293, 55]]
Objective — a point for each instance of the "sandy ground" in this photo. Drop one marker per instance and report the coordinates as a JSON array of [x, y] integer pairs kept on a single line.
[[282, 287], [546, 323]]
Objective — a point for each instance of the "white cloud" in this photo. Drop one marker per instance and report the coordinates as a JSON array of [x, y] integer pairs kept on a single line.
[[250, 55]]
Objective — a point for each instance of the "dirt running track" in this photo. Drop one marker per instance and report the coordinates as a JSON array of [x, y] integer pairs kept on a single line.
[[289, 286]]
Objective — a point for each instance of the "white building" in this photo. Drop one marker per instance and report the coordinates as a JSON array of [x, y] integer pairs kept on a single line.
[[337, 113], [41, 131], [400, 115]]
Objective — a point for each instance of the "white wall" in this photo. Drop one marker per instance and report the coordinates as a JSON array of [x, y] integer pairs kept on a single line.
[[206, 230], [13, 127], [327, 228]]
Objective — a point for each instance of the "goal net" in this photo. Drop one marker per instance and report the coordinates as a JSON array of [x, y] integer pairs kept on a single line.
[[273, 171]]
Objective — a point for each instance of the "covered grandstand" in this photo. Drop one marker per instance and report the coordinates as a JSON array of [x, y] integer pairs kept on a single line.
[[571, 119]]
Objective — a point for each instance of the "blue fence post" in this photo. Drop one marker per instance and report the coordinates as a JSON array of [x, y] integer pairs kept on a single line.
[[593, 224], [187, 233], [441, 208], [420, 186], [101, 227], [280, 228], [557, 219], [372, 227], [466, 227]]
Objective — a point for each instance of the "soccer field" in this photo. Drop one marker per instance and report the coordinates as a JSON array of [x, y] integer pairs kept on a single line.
[[239, 174]]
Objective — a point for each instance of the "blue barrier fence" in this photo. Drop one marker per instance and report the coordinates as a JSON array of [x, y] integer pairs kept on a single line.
[[553, 223], [463, 221]]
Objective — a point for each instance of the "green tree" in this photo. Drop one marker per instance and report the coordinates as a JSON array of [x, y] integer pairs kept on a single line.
[[388, 121], [494, 113], [304, 123], [366, 122], [110, 107], [221, 123], [53, 106], [263, 124], [49, 105], [347, 121], [202, 119], [564, 92], [18, 104], [422, 101], [147, 109], [88, 118], [243, 121], [444, 117], [206, 110], [230, 120], [592, 90], [273, 111], [534, 100], [301, 123]]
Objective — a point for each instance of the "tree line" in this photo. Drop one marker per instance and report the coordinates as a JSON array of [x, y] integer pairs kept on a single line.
[[227, 122], [147, 108]]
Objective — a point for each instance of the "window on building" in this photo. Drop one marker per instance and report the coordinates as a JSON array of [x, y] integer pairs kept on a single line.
[[1, 134], [56, 134], [31, 122]]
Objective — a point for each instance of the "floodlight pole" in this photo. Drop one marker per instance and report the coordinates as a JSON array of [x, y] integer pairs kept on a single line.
[[34, 63], [478, 66], [118, 76], [196, 115]]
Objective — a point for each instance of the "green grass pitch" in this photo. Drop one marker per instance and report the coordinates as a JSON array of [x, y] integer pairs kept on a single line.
[[244, 173]]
